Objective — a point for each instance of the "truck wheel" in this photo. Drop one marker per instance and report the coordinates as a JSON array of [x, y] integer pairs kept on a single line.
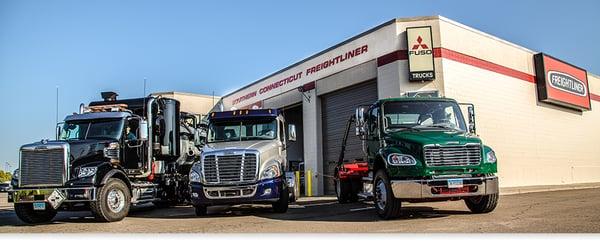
[[482, 204], [112, 202], [281, 206], [343, 190], [26, 213], [200, 210], [386, 204]]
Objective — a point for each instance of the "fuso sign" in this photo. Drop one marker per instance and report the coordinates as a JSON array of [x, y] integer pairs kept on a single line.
[[420, 54], [561, 83]]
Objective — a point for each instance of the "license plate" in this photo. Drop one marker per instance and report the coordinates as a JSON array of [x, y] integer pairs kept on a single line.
[[39, 206], [455, 183]]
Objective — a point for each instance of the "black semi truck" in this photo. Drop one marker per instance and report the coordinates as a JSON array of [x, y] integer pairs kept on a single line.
[[109, 156]]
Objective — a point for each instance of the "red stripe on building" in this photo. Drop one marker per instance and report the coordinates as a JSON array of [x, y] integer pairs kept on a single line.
[[486, 65], [595, 97], [469, 60]]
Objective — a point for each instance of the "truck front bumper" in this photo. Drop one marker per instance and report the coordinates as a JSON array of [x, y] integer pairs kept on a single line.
[[53, 196], [440, 188], [265, 191]]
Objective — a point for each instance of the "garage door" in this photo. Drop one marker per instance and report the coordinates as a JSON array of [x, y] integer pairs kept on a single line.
[[336, 109]]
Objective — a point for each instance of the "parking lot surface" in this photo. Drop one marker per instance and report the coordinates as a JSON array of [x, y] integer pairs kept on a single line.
[[556, 211]]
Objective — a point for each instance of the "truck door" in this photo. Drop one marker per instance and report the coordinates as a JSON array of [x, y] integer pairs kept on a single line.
[[134, 148]]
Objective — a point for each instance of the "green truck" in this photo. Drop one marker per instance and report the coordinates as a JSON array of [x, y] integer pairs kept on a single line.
[[418, 150]]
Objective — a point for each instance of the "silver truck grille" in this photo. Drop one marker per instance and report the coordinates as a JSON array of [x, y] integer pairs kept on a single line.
[[42, 167], [459, 155], [230, 168]]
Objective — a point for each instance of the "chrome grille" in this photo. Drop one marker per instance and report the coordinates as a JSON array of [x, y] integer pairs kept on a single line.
[[453, 155], [230, 168], [42, 167]]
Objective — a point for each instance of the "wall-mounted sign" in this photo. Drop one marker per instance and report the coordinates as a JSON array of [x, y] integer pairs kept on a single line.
[[420, 53], [561, 83]]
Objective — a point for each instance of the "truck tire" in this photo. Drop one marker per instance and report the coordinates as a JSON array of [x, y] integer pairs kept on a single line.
[[112, 201], [281, 206], [343, 190], [26, 213], [200, 210], [386, 205], [482, 204]]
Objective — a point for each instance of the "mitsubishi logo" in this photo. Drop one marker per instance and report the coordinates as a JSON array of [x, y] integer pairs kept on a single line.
[[422, 45]]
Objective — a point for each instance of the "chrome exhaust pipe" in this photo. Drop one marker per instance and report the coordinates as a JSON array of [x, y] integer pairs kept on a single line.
[[81, 108]]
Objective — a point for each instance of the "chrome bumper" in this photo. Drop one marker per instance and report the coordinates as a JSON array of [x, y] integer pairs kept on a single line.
[[417, 189], [54, 196]]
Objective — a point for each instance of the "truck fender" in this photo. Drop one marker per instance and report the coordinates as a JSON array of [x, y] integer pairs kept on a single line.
[[115, 173]]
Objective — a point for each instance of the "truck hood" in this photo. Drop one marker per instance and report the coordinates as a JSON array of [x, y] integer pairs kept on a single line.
[[426, 137], [259, 145], [86, 151]]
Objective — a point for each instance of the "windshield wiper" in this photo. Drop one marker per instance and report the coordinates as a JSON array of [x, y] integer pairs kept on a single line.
[[443, 126], [402, 128]]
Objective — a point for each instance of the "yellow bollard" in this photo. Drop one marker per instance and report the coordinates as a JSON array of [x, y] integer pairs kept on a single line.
[[298, 180], [308, 179]]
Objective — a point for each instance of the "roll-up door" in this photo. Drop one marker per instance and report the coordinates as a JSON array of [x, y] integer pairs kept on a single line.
[[336, 108]]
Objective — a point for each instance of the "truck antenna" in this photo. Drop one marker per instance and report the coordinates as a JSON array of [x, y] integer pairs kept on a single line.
[[56, 104], [144, 96]]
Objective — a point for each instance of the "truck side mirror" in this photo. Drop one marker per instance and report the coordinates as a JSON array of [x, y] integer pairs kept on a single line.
[[199, 136], [471, 115], [472, 128], [143, 130], [292, 132], [359, 117], [58, 130]]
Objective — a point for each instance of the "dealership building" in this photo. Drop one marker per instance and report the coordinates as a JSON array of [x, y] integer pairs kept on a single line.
[[541, 115]]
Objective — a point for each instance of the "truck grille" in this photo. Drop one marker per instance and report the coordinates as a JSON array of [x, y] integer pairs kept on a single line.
[[42, 167], [453, 155], [230, 168]]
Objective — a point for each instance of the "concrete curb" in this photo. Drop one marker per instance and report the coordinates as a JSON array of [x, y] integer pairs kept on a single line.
[[545, 188]]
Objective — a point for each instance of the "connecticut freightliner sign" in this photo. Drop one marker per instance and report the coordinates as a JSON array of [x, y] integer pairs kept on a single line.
[[561, 83], [348, 54], [420, 53]]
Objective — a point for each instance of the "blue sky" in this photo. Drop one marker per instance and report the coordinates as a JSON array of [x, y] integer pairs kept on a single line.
[[85, 47]]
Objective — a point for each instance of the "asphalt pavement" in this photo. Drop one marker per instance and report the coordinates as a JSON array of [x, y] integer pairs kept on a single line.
[[554, 211]]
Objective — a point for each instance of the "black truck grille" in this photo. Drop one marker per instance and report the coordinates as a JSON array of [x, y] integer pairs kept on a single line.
[[459, 155], [230, 168], [45, 167]]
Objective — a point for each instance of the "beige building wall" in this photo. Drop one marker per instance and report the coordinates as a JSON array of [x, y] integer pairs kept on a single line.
[[536, 143], [192, 103]]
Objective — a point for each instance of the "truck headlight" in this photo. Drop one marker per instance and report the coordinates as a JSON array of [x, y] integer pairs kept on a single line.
[[397, 159], [490, 157], [87, 172], [195, 173], [270, 172], [112, 152], [194, 176]]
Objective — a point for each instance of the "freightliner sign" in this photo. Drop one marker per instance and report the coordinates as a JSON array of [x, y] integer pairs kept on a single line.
[[561, 83]]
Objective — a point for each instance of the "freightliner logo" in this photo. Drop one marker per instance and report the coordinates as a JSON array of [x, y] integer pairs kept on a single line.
[[567, 83]]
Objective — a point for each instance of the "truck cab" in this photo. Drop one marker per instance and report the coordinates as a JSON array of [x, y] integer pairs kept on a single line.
[[244, 161], [420, 150]]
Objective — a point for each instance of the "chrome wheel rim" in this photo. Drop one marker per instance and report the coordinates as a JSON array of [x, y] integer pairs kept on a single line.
[[380, 194], [115, 200]]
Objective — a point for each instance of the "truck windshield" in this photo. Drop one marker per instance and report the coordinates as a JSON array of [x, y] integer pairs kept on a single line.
[[423, 115], [80, 130], [242, 130]]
